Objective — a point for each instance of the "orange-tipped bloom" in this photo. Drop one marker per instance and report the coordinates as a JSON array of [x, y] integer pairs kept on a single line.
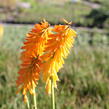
[[31, 58], [58, 46]]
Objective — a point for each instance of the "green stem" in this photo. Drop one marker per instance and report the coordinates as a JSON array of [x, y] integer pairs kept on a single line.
[[28, 106], [52, 95], [34, 99]]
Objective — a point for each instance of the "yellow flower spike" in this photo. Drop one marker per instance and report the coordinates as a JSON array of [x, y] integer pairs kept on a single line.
[[48, 87], [1, 31], [57, 48], [25, 98], [31, 66]]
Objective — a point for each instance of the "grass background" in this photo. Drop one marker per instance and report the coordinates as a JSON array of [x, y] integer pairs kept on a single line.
[[83, 80], [83, 13], [85, 76]]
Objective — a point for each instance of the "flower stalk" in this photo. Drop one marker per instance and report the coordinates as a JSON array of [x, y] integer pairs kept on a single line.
[[52, 95], [28, 105], [34, 99]]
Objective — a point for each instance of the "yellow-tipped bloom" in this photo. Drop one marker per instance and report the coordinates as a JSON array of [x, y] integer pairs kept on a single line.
[[31, 58], [58, 46], [1, 31]]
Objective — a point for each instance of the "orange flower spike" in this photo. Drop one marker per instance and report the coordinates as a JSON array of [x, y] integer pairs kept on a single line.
[[34, 46], [58, 47], [36, 39]]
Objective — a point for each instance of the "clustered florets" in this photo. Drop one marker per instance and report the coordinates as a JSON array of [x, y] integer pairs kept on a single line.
[[44, 52]]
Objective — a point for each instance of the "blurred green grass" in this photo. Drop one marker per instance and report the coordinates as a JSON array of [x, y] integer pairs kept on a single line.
[[85, 13], [83, 80], [52, 12]]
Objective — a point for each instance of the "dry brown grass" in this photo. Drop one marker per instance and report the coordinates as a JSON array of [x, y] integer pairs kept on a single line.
[[8, 3]]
